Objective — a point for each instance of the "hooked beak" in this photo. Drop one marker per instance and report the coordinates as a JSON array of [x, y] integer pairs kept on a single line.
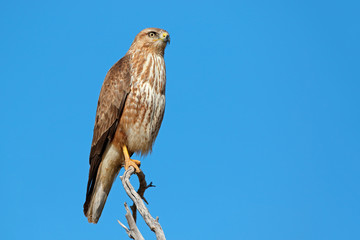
[[165, 37]]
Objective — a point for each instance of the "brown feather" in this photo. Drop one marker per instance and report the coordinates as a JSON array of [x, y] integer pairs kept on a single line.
[[111, 102], [130, 111]]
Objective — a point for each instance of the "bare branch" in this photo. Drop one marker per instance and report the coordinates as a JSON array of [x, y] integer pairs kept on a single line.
[[137, 199], [133, 232], [141, 191]]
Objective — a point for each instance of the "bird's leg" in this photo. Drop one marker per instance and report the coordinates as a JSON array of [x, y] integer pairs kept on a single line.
[[130, 162]]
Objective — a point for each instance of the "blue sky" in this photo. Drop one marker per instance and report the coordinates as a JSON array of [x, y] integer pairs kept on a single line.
[[261, 135]]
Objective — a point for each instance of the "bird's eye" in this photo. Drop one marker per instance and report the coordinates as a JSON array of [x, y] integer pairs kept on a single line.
[[152, 34]]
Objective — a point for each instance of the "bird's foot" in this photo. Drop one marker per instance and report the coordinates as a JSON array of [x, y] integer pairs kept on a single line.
[[130, 162]]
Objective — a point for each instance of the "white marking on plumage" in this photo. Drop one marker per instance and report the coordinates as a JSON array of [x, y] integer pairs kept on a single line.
[[141, 135]]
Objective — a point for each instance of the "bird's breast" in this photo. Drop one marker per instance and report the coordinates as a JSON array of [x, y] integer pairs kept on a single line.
[[145, 105]]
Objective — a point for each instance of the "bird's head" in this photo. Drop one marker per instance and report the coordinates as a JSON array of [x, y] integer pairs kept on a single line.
[[152, 40]]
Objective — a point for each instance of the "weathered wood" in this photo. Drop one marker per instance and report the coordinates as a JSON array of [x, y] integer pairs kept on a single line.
[[141, 191], [133, 232], [153, 224]]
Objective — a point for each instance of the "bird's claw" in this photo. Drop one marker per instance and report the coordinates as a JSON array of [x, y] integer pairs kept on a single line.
[[134, 163]]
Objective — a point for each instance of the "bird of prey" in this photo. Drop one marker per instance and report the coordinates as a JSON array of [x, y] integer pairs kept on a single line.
[[128, 117]]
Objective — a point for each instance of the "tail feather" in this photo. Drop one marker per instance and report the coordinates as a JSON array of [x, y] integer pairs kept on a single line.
[[98, 193]]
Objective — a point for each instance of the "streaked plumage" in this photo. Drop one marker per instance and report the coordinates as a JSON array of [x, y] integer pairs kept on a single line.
[[129, 114]]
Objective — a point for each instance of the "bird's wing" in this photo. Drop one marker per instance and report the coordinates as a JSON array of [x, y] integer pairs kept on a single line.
[[111, 102]]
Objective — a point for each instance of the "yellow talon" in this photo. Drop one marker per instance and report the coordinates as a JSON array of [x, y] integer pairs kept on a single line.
[[130, 162]]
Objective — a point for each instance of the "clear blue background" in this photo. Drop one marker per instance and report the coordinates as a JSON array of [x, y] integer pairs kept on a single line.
[[261, 135]]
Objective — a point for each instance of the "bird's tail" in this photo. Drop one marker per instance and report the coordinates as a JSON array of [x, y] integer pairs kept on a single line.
[[97, 195]]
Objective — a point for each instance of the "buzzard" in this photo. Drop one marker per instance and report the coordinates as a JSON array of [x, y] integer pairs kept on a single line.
[[128, 117]]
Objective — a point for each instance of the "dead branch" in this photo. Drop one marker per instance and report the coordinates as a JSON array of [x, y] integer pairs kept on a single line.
[[133, 232], [137, 198], [141, 191]]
